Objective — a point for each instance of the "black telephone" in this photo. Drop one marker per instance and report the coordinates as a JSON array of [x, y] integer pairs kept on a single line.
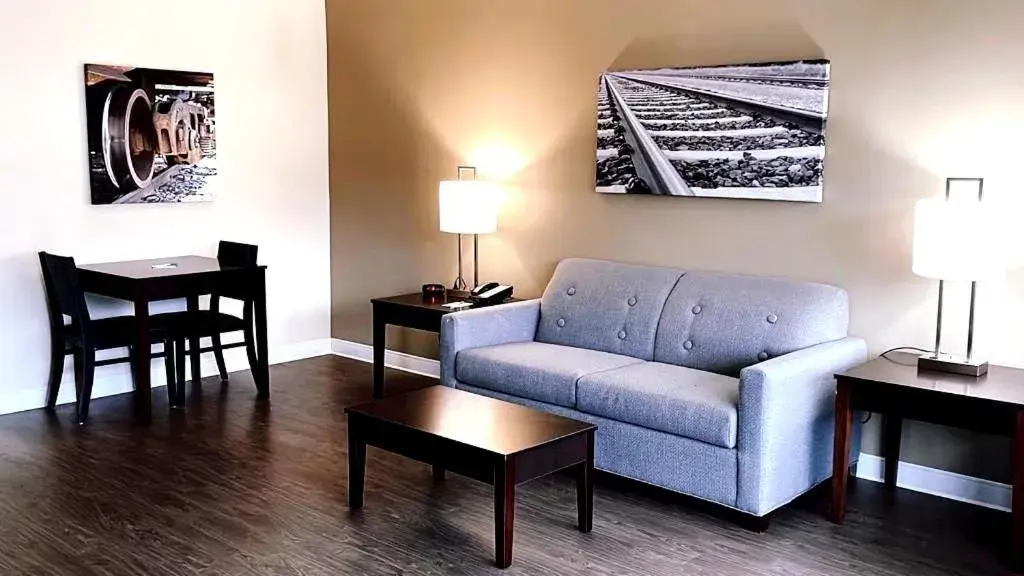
[[490, 293]]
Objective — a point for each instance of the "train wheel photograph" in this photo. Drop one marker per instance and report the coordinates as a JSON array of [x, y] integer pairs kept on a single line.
[[152, 135], [754, 131]]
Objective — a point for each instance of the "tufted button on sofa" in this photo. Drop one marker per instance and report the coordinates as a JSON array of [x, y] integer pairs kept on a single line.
[[714, 385]]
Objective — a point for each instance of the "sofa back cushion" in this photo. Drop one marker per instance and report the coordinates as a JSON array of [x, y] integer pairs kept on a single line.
[[605, 306], [723, 323]]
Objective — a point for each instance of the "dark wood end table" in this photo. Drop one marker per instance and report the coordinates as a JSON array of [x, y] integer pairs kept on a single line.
[[896, 389], [409, 311], [488, 440]]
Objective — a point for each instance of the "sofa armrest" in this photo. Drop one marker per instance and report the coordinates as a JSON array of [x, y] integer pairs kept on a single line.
[[786, 423], [504, 324]]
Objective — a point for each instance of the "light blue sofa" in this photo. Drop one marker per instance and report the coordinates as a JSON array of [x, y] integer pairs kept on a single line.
[[713, 385]]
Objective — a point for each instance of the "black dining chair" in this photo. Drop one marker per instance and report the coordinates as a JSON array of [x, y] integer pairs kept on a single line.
[[83, 336], [212, 323]]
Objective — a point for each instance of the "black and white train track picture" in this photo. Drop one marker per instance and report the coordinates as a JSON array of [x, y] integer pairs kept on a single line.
[[752, 131]]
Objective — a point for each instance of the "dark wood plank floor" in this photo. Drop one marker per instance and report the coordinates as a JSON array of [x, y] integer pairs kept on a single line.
[[230, 486]]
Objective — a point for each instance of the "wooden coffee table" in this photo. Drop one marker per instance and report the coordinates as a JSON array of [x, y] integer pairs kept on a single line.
[[496, 442]]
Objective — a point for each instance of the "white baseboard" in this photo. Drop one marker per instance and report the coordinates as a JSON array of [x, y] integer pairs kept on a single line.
[[392, 359], [941, 483], [292, 352], [116, 379]]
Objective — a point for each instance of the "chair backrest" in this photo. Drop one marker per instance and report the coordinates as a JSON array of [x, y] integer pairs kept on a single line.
[[64, 294], [236, 254]]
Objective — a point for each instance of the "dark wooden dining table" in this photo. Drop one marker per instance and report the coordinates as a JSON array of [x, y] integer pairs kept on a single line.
[[144, 281]]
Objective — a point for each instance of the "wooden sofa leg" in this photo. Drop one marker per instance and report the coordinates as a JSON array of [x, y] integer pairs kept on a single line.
[[757, 524]]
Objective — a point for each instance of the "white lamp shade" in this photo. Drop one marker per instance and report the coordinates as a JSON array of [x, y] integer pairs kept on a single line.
[[468, 206], [956, 240]]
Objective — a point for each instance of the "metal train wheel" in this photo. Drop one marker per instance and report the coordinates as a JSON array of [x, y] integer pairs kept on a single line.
[[129, 138]]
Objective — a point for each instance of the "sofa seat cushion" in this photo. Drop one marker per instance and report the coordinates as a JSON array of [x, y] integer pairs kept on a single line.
[[534, 370], [674, 399]]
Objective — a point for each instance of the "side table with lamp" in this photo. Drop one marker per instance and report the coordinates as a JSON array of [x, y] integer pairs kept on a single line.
[[467, 206], [955, 238]]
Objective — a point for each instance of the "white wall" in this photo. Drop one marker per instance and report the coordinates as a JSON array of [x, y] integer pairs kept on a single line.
[[269, 62]]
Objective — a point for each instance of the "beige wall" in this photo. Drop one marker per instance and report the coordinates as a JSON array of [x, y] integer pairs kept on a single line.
[[921, 90]]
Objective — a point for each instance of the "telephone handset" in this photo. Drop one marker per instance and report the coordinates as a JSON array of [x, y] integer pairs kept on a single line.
[[490, 293]]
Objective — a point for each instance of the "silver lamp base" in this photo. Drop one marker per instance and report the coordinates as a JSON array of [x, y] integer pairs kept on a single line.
[[952, 364]]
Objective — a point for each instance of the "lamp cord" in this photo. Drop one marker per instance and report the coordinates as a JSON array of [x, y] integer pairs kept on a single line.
[[886, 356], [900, 349]]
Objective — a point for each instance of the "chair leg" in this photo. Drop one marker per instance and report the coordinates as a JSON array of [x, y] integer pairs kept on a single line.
[[131, 366], [179, 367], [88, 372], [218, 354], [79, 377], [57, 355], [172, 384], [250, 348]]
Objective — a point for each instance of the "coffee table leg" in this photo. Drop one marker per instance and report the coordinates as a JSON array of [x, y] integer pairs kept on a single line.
[[504, 511], [356, 466], [585, 488]]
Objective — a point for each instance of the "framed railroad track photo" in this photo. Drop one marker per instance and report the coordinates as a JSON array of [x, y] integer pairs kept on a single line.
[[753, 131], [152, 135]]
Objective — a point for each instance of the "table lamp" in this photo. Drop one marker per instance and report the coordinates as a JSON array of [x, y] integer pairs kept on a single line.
[[955, 238], [468, 206]]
